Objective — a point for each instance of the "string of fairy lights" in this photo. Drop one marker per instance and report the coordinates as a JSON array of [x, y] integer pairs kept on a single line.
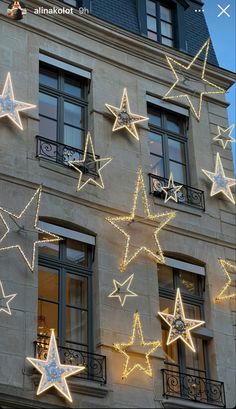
[[128, 226]]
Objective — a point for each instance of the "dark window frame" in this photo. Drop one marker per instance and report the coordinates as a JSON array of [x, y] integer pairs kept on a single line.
[[172, 7], [166, 134], [62, 97], [192, 299], [64, 267]]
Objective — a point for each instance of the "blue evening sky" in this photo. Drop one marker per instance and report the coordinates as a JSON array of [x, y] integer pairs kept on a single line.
[[222, 30]]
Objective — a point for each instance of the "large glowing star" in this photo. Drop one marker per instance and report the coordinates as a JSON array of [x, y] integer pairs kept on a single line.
[[9, 106], [220, 183], [224, 135], [133, 227], [122, 290], [88, 164], [228, 269], [137, 342], [171, 190], [180, 326], [5, 300], [53, 372], [21, 230], [124, 117], [187, 75]]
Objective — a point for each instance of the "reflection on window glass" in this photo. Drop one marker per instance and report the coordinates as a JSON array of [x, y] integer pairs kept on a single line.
[[73, 137], [48, 284], [72, 114], [151, 7], [76, 252], [167, 41], [47, 319], [152, 36], [167, 305], [166, 29], [151, 23], [76, 326], [154, 119], [76, 290], [72, 87], [48, 129], [48, 78], [165, 276], [165, 14], [188, 282], [178, 171], [173, 124], [192, 311], [157, 165], [196, 360], [47, 105], [47, 248], [155, 143], [176, 150], [170, 351]]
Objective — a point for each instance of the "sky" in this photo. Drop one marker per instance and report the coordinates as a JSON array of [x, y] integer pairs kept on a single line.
[[222, 31]]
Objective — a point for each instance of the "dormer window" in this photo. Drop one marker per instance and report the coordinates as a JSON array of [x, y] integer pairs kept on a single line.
[[160, 22]]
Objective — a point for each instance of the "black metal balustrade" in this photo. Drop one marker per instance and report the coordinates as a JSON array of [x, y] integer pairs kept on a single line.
[[194, 388], [187, 195], [95, 364], [60, 153]]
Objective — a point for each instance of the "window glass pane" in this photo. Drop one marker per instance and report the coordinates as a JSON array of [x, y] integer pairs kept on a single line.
[[47, 319], [196, 360], [152, 23], [72, 87], [72, 3], [188, 282], [155, 143], [179, 172], [73, 136], [170, 351], [167, 306], [173, 124], [76, 326], [48, 78], [76, 252], [176, 150], [48, 249], [151, 7], [167, 41], [47, 105], [165, 14], [48, 128], [165, 276], [48, 284], [192, 311], [154, 119], [157, 165], [73, 114], [76, 291], [166, 29], [152, 35]]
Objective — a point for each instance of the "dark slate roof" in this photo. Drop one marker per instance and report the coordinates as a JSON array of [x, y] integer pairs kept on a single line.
[[123, 13]]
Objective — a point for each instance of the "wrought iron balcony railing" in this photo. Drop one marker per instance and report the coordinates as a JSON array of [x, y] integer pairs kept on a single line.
[[194, 388], [60, 153], [187, 195], [95, 364]]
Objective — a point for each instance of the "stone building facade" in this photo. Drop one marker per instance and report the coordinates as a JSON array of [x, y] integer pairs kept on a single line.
[[70, 66]]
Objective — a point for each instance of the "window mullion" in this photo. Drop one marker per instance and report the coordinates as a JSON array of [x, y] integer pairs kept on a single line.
[[158, 14]]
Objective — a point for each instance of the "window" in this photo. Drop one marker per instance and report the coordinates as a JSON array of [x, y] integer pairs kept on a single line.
[[168, 145], [177, 356], [160, 22], [64, 293], [62, 106]]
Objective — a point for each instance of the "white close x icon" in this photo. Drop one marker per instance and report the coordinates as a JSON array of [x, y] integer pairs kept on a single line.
[[223, 10]]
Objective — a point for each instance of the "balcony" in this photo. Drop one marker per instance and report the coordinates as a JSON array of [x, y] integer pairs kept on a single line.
[[60, 153], [95, 364], [188, 195], [193, 388]]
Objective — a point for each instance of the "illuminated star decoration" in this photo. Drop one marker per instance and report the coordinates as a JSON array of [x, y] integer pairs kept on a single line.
[[53, 372], [228, 269], [5, 300], [186, 71], [19, 225], [121, 293], [180, 326], [162, 219], [86, 162], [137, 339], [124, 117], [171, 190], [224, 135], [11, 107], [221, 184]]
